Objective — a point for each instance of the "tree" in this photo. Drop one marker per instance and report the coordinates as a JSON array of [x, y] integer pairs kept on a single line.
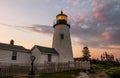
[[107, 57], [86, 53]]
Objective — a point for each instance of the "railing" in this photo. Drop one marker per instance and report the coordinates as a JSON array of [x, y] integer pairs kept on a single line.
[[14, 69], [55, 22]]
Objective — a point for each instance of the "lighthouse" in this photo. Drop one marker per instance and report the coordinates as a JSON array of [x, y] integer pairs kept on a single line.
[[61, 38]]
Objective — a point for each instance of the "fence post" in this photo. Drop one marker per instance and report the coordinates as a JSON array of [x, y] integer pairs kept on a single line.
[[56, 67]]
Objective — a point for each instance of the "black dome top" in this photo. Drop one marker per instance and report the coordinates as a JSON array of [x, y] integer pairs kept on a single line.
[[61, 14]]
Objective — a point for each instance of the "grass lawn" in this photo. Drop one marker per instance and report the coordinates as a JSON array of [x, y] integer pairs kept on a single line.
[[6, 77], [71, 74], [67, 74], [111, 71], [114, 72]]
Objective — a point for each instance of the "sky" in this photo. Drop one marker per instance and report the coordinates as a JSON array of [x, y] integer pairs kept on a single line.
[[94, 23]]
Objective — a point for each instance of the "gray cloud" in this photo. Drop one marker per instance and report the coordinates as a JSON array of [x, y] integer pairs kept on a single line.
[[40, 29], [98, 22]]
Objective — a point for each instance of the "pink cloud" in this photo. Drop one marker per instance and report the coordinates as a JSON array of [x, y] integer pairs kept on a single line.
[[103, 5], [97, 9], [102, 12], [80, 18], [106, 36], [97, 14], [99, 4], [94, 3], [76, 2]]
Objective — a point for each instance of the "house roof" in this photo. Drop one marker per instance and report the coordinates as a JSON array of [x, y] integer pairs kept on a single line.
[[46, 50], [13, 47]]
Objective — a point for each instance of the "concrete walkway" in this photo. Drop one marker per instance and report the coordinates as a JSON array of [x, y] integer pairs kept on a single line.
[[83, 75]]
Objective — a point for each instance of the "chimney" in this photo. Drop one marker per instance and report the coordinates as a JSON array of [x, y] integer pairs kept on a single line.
[[12, 42]]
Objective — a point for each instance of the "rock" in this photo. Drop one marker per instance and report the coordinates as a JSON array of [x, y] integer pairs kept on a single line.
[[82, 75]]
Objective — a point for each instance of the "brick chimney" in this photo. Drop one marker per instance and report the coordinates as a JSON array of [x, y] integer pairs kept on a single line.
[[12, 42]]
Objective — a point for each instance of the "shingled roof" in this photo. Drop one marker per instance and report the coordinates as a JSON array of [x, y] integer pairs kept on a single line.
[[13, 47], [46, 50]]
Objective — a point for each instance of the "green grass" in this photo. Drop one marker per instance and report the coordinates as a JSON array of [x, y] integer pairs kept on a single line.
[[113, 72], [71, 74], [67, 74], [6, 77]]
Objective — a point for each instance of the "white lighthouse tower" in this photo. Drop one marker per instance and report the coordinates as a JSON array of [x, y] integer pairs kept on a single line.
[[61, 38]]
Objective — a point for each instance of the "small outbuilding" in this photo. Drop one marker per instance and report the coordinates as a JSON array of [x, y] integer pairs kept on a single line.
[[44, 54]]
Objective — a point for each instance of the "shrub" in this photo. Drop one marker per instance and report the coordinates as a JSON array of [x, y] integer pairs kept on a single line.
[[114, 72]]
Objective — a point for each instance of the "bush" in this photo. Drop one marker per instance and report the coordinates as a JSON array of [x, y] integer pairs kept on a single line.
[[94, 68], [114, 72]]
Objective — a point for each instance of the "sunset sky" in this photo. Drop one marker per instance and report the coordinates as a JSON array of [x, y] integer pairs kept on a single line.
[[94, 23]]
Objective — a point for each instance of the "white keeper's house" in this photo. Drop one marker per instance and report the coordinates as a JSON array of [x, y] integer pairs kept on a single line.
[[61, 50]]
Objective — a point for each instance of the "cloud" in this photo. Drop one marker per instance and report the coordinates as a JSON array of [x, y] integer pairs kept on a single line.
[[95, 3], [45, 1], [44, 29], [101, 26], [4, 24], [98, 28], [111, 48], [74, 2], [106, 36]]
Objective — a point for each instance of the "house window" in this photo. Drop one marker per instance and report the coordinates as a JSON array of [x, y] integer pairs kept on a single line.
[[49, 57], [62, 36], [14, 55]]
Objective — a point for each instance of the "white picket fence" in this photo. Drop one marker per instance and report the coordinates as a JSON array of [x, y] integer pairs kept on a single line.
[[14, 69]]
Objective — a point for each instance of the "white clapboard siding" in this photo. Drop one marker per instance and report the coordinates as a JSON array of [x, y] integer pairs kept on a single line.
[[6, 57]]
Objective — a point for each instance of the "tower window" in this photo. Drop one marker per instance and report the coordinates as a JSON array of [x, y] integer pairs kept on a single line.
[[49, 57], [62, 36], [14, 55]]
